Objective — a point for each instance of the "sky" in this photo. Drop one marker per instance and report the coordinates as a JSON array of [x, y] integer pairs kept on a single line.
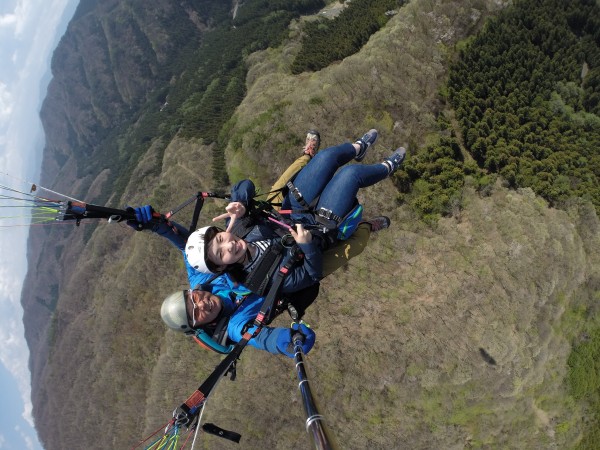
[[29, 32]]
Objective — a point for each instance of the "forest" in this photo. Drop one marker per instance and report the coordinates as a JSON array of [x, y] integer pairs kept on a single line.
[[525, 93], [326, 41]]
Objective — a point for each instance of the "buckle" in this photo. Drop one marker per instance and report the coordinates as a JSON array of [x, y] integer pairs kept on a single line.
[[329, 215]]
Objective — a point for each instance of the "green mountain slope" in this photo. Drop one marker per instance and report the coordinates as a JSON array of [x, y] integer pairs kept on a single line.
[[452, 336]]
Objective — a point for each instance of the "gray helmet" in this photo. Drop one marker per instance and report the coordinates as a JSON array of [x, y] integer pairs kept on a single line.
[[174, 314]]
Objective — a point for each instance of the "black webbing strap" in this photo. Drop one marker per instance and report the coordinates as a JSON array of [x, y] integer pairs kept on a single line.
[[300, 198], [329, 215], [196, 215], [211, 428], [267, 310], [185, 414], [297, 194], [258, 279]]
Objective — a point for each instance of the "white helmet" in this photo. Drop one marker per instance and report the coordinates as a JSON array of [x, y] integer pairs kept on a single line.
[[174, 314], [195, 250]]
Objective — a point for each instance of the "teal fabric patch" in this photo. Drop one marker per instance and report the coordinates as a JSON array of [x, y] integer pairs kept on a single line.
[[350, 223]]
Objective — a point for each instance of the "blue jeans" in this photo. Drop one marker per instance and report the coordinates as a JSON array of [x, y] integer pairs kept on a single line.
[[337, 188]]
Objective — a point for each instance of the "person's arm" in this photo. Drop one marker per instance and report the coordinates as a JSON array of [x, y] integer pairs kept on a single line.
[[310, 271], [246, 313], [244, 192], [175, 233], [306, 273], [270, 339], [290, 172], [146, 219]]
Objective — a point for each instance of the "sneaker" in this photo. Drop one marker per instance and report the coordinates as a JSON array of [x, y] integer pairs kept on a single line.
[[379, 223], [365, 142], [394, 161], [312, 143]]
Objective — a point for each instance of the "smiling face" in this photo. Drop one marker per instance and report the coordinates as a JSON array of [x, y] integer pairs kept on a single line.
[[225, 249], [202, 307]]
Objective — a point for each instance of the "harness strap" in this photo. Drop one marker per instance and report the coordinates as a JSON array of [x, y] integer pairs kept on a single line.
[[185, 413], [268, 308], [329, 215], [196, 215], [259, 278], [297, 194], [211, 428]]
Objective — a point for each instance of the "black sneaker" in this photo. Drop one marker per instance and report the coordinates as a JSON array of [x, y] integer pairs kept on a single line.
[[394, 161], [365, 142], [312, 143], [379, 223]]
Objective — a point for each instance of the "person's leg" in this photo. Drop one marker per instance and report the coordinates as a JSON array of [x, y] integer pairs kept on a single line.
[[293, 169], [310, 149], [340, 193], [314, 177], [311, 180]]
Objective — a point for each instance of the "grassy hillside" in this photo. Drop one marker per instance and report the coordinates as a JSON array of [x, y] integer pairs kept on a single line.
[[457, 335]]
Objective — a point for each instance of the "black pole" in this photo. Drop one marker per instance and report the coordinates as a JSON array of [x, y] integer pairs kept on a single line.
[[315, 423]]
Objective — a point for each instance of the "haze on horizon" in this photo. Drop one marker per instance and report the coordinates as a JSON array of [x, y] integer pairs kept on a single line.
[[29, 32]]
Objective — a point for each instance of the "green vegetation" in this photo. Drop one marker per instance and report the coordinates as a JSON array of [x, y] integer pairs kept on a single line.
[[327, 41], [194, 91], [584, 381], [525, 94], [518, 94], [210, 82]]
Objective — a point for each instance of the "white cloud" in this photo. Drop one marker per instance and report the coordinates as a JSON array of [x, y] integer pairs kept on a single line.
[[28, 30], [7, 20], [20, 17], [14, 351], [25, 437], [13, 356], [6, 102]]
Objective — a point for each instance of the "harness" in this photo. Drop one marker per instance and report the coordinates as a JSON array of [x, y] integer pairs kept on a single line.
[[215, 337], [331, 227], [330, 221], [259, 278], [217, 340]]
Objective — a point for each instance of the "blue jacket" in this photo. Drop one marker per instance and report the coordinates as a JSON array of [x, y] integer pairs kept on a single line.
[[301, 275], [224, 288], [245, 313]]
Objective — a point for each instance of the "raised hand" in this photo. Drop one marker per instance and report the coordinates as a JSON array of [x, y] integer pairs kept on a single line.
[[235, 210]]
